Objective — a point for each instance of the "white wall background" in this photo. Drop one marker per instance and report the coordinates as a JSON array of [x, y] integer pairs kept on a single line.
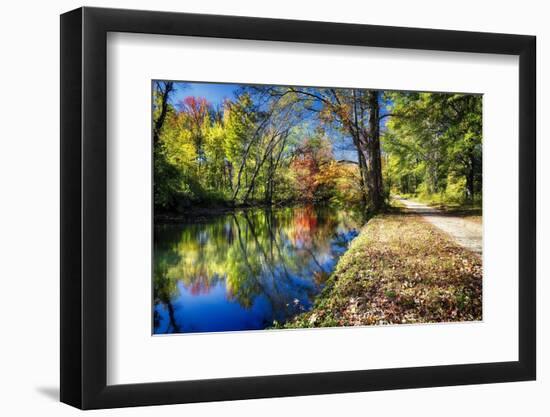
[[29, 225]]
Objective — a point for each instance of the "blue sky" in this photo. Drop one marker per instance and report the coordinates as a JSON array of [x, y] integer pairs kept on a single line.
[[215, 94]]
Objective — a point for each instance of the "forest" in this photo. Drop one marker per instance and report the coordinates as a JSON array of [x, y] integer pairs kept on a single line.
[[286, 207], [274, 145]]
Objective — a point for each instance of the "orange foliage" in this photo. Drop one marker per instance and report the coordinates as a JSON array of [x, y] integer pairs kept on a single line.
[[303, 228], [305, 169]]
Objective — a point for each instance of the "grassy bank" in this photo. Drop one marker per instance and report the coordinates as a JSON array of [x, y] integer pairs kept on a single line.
[[399, 269]]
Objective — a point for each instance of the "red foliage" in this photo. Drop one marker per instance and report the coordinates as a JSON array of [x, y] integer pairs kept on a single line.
[[201, 285], [196, 108], [306, 168]]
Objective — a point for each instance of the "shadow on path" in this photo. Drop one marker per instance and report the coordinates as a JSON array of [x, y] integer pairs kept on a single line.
[[465, 232]]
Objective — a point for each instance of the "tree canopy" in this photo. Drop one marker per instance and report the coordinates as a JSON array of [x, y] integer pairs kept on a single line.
[[278, 145]]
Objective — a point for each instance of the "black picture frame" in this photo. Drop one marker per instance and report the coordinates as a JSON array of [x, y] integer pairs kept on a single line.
[[84, 207]]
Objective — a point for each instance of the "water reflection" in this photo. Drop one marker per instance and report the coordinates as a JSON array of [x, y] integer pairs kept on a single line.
[[243, 270]]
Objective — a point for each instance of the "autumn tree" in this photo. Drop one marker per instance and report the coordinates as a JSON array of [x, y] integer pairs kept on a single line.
[[273, 145], [356, 112], [196, 119]]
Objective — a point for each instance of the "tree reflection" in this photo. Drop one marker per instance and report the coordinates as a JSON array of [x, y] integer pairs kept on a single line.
[[284, 255]]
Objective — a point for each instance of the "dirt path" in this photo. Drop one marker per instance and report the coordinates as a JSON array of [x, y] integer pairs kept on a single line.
[[465, 232]]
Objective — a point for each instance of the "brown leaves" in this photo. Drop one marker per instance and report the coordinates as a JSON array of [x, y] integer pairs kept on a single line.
[[401, 269]]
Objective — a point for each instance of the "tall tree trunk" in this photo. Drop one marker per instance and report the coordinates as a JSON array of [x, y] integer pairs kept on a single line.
[[244, 159], [268, 184], [355, 130], [260, 163], [374, 161], [168, 88], [363, 174]]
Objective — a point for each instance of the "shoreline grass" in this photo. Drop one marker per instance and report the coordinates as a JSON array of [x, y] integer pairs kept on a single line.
[[400, 269]]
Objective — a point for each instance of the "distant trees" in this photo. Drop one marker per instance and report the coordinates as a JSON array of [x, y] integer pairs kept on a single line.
[[195, 117], [242, 153], [273, 145], [309, 164], [356, 113], [434, 144], [258, 133]]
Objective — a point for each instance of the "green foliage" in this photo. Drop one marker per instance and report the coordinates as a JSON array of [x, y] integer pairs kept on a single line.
[[434, 146], [261, 147], [255, 251], [244, 154]]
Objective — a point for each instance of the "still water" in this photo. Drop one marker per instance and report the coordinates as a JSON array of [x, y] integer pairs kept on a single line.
[[247, 269]]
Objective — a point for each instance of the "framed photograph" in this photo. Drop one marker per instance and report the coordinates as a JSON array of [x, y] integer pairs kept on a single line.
[[256, 208]]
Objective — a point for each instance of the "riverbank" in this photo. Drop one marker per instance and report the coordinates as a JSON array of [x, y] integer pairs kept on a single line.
[[202, 213], [400, 269]]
